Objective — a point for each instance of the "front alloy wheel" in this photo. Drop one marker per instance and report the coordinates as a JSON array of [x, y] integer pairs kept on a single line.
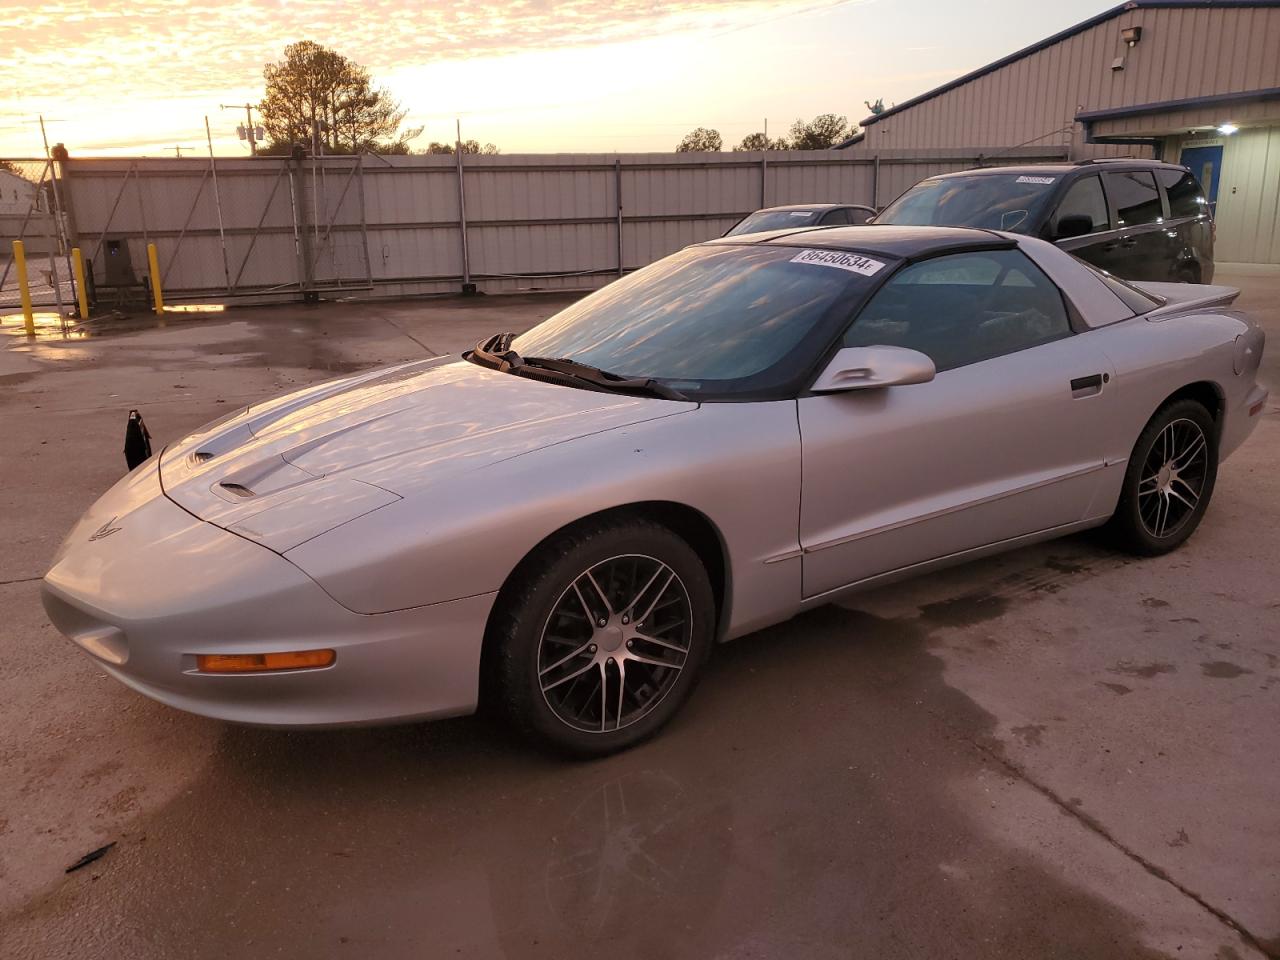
[[600, 635], [615, 643]]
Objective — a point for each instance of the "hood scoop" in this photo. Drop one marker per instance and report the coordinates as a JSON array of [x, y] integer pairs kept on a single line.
[[270, 475]]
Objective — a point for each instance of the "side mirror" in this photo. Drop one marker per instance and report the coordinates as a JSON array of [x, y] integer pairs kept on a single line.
[[1073, 225], [858, 368]]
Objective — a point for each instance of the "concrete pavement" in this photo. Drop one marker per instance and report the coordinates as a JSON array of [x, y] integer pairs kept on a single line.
[[1061, 752]]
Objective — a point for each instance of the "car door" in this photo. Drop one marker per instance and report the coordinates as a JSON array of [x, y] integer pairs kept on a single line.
[[1142, 251], [1007, 440], [1097, 243]]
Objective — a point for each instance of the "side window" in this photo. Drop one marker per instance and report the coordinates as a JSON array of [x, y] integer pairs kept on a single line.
[[964, 308], [835, 217], [1186, 199], [1135, 198], [1083, 199]]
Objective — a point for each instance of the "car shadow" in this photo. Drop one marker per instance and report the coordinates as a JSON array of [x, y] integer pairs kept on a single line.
[[805, 803]]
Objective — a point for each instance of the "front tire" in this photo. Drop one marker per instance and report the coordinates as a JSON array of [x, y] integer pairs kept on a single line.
[[1169, 480], [602, 635]]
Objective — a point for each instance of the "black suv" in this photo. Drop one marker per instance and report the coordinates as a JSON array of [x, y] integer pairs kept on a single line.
[[1136, 219]]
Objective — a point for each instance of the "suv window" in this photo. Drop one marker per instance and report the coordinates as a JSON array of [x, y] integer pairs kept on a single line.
[[1185, 196], [839, 216], [964, 308], [1135, 198], [1084, 199]]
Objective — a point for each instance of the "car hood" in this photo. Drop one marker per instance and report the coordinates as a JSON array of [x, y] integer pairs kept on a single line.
[[291, 469]]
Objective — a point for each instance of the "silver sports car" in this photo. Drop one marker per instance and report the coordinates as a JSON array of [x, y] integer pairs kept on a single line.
[[562, 524]]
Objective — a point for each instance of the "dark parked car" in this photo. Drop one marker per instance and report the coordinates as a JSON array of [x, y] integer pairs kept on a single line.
[[802, 215], [1136, 219]]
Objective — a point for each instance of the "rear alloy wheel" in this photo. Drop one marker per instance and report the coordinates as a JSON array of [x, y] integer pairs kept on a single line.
[[1169, 480], [599, 647]]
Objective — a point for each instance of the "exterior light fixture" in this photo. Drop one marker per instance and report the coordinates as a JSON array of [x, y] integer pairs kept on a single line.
[[1131, 35], [1227, 129]]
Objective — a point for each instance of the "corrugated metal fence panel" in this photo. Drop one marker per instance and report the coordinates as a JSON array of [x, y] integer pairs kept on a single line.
[[544, 221], [411, 207]]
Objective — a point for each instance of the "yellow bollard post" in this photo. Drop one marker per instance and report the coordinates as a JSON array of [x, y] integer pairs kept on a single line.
[[156, 292], [24, 290], [82, 290]]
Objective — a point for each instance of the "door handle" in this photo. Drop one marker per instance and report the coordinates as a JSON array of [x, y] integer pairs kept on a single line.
[[1088, 386], [1129, 242]]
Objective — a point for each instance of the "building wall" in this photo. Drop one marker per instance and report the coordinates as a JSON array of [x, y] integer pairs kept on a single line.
[[1248, 213], [1184, 52], [16, 194]]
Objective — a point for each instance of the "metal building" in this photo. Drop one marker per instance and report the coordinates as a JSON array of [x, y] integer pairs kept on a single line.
[[1190, 81]]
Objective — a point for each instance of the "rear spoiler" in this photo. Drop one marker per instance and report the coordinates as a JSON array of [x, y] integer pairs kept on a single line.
[[1180, 298]]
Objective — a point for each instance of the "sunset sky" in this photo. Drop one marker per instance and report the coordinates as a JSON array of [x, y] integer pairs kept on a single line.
[[135, 78]]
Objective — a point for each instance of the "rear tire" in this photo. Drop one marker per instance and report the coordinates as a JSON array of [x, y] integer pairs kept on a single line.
[[601, 637], [1169, 480]]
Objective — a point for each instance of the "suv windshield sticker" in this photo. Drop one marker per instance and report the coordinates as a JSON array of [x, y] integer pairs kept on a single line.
[[798, 213], [1034, 180], [840, 260]]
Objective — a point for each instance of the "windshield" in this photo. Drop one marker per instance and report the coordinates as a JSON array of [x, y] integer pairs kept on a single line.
[[763, 220], [1011, 201], [716, 320]]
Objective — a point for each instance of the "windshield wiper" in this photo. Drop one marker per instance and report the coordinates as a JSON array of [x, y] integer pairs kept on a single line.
[[496, 352], [603, 378]]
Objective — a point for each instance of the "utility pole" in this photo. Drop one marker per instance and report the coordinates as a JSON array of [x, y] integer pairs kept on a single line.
[[248, 124]]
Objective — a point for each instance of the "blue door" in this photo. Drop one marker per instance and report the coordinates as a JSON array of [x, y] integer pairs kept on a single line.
[[1206, 164]]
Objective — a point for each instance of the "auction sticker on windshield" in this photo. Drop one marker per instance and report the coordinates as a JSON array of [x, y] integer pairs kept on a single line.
[[840, 260], [1034, 180]]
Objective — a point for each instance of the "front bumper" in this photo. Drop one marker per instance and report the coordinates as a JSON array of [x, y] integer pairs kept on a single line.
[[162, 586]]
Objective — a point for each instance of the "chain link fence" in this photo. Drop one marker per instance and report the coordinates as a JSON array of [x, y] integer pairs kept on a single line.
[[29, 209]]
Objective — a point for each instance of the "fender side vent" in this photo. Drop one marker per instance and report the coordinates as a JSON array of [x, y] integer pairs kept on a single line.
[[202, 456]]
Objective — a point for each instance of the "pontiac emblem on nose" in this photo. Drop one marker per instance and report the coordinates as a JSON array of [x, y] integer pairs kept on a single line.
[[105, 530]]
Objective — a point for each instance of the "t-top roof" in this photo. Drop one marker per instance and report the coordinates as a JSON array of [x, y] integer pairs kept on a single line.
[[886, 239]]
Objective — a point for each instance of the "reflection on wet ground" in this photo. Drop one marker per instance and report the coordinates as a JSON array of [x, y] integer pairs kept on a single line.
[[800, 807], [50, 325]]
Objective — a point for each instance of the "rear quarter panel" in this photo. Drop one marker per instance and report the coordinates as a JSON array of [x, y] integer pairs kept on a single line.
[[1155, 359]]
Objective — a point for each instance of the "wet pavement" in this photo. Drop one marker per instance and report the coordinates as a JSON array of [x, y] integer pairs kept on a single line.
[[1061, 752]]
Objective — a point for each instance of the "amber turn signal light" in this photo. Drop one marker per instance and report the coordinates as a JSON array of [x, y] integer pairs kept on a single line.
[[261, 662]]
